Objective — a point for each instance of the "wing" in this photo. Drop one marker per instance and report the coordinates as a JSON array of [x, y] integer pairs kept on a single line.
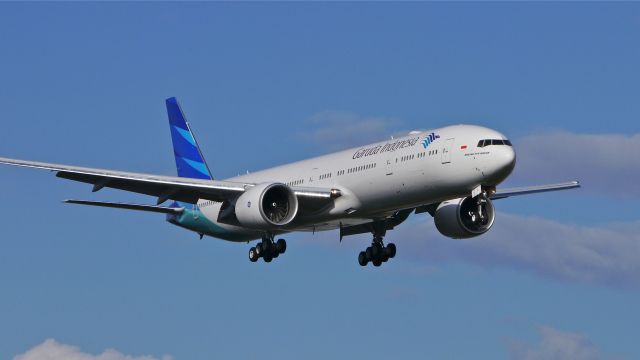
[[163, 187], [505, 193]]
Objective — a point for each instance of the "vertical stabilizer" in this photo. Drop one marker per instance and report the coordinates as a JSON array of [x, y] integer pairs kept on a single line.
[[189, 160]]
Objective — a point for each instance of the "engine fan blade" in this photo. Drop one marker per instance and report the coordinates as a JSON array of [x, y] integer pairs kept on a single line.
[[277, 212]]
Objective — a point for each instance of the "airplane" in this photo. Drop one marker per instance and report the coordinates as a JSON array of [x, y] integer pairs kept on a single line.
[[451, 173]]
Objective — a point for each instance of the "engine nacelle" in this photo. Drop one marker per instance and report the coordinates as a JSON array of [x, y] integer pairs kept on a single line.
[[464, 218], [266, 206]]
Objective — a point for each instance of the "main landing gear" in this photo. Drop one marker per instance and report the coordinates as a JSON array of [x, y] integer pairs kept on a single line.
[[268, 249], [377, 253]]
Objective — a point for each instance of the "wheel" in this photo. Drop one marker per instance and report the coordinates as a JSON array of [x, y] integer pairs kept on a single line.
[[383, 256], [259, 249], [376, 251], [362, 258], [265, 246], [281, 246], [377, 262], [369, 253], [274, 253], [253, 255], [267, 258], [391, 250]]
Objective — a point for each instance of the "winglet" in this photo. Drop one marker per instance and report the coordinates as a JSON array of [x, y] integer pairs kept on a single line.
[[189, 160]]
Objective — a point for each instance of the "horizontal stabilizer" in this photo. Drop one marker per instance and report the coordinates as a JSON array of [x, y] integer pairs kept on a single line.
[[150, 208]]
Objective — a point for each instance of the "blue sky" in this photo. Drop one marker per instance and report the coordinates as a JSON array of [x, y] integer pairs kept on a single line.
[[267, 83]]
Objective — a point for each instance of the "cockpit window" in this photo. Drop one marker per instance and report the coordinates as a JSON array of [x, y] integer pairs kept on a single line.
[[487, 142]]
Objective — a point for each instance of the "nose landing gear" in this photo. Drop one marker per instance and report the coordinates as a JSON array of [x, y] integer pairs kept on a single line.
[[268, 249], [478, 216]]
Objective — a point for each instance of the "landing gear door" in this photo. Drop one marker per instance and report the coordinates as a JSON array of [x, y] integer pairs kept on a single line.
[[446, 151]]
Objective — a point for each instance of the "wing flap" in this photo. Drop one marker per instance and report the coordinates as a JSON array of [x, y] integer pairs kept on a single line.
[[161, 191]]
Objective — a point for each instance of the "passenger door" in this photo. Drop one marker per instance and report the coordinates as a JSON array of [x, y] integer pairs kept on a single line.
[[314, 175], [389, 166], [446, 151]]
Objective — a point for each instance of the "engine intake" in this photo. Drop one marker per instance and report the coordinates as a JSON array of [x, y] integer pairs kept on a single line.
[[266, 206], [464, 218]]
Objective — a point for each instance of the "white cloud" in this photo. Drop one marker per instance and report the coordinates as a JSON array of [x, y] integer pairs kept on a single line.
[[53, 350], [555, 345], [608, 255], [604, 163], [340, 130]]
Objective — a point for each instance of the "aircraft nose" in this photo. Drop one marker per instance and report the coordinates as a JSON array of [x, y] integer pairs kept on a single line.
[[503, 161], [507, 161]]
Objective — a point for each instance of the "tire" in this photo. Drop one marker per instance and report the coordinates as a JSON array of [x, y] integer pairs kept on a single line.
[[362, 258], [268, 259], [259, 249], [369, 253], [391, 250], [253, 255], [281, 246], [376, 251], [377, 262]]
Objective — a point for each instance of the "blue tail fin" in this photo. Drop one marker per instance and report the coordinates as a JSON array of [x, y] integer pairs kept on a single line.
[[189, 159]]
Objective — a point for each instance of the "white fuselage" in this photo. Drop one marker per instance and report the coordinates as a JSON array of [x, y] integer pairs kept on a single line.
[[378, 179]]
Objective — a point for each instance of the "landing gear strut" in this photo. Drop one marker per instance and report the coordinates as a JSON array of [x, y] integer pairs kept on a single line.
[[268, 249], [377, 253], [478, 216]]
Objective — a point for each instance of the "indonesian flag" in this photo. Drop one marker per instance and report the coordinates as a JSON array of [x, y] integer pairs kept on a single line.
[[463, 147]]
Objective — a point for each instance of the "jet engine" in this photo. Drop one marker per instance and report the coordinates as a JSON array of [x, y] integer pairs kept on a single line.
[[465, 217], [266, 206]]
